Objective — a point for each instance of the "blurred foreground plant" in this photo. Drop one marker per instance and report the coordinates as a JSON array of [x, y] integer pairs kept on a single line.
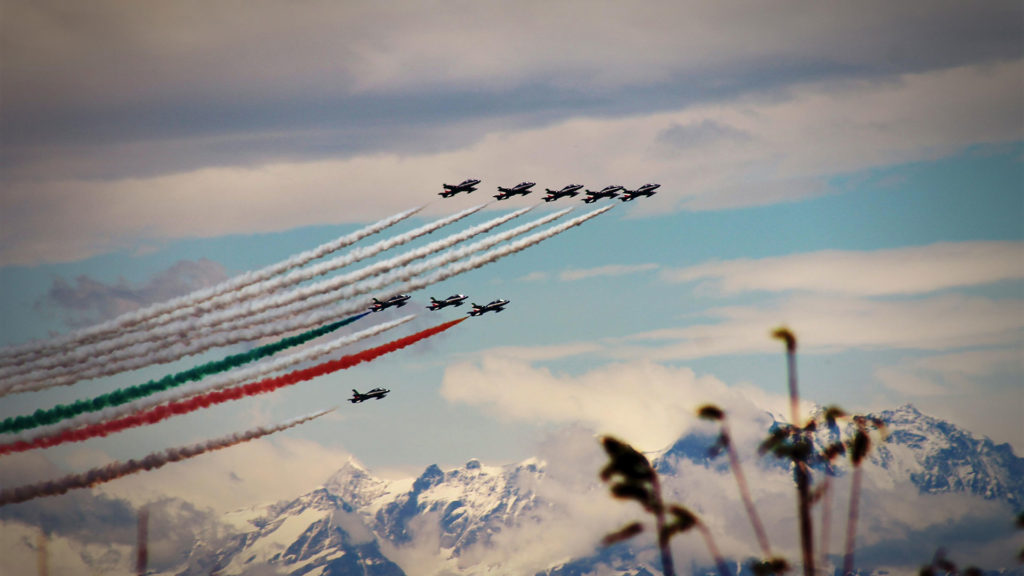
[[632, 477]]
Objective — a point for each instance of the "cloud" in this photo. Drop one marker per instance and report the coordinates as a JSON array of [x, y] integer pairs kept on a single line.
[[954, 373], [910, 270], [92, 528], [249, 474], [610, 270], [229, 74], [867, 124], [647, 403], [831, 324], [976, 389], [698, 133], [88, 301]]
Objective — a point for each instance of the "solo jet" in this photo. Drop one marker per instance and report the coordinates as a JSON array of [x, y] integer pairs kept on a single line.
[[492, 306], [396, 301], [645, 190], [466, 186], [453, 300], [523, 188], [570, 190], [606, 192], [377, 393]]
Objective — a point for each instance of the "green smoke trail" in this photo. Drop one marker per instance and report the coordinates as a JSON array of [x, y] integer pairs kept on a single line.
[[124, 395]]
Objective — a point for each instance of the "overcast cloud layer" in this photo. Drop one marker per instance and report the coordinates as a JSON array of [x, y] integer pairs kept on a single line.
[[124, 121]]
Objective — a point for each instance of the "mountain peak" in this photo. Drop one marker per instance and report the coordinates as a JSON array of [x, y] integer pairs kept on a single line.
[[908, 409], [430, 477]]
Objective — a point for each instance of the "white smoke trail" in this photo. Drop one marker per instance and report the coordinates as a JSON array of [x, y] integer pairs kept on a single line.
[[118, 356], [498, 253], [76, 360], [208, 385], [322, 316], [317, 297], [167, 352], [153, 461], [32, 350]]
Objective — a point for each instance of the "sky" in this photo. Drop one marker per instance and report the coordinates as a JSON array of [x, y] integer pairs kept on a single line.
[[850, 171]]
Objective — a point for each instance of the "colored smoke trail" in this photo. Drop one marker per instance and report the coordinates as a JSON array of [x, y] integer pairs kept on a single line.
[[125, 395], [181, 341], [392, 271], [164, 411], [324, 314], [316, 299], [196, 388], [153, 461], [498, 253], [32, 350], [48, 368]]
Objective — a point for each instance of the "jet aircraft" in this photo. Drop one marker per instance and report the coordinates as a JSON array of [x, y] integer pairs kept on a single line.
[[377, 393], [570, 190], [492, 306], [396, 301], [523, 188], [466, 186], [645, 190], [606, 192], [453, 300]]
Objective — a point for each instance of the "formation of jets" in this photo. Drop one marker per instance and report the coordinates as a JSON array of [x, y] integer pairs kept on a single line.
[[453, 300], [400, 300], [466, 186], [492, 306], [521, 189], [524, 188], [397, 301], [377, 393]]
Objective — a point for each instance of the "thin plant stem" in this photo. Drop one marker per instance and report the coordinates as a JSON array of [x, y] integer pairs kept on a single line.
[[667, 566], [709, 540], [41, 554], [803, 486], [851, 522], [801, 472], [142, 542], [748, 502], [826, 517]]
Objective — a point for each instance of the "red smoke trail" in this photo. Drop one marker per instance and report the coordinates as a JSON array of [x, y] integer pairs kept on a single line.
[[155, 460], [194, 403]]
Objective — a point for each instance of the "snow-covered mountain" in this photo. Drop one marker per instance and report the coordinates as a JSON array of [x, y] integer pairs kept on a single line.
[[359, 524], [938, 457], [342, 527], [932, 454]]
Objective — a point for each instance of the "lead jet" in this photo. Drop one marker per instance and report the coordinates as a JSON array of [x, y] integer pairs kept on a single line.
[[377, 393], [396, 301], [645, 190], [522, 189], [466, 186], [453, 300], [570, 190], [606, 192], [492, 306]]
